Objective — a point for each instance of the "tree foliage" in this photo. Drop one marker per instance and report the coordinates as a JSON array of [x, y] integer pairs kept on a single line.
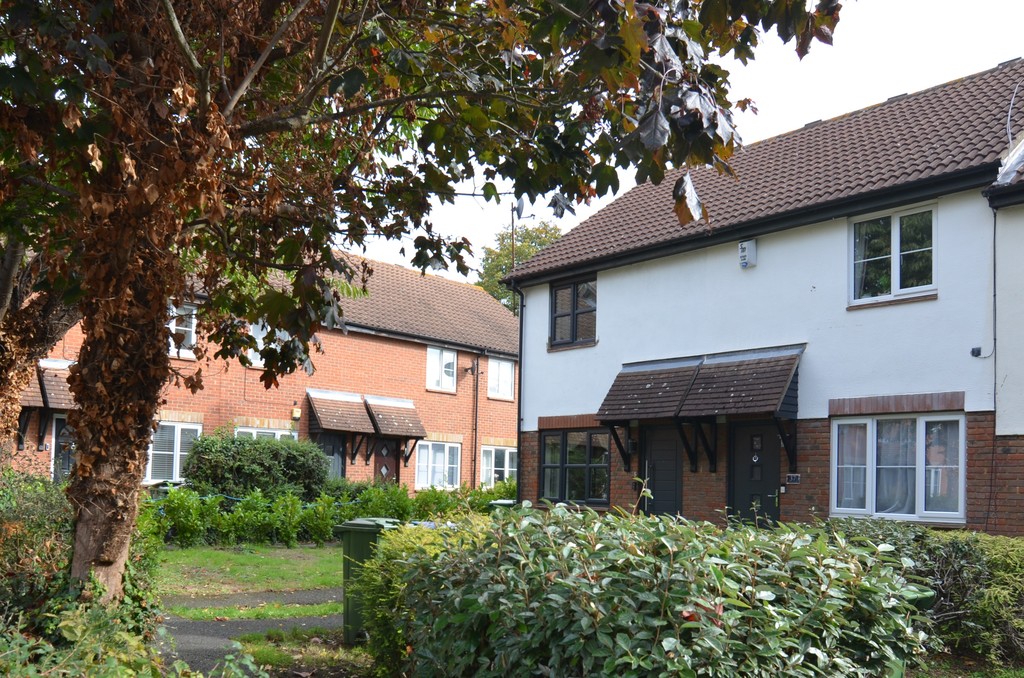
[[499, 261], [220, 152]]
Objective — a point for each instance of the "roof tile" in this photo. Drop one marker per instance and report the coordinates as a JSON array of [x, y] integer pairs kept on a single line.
[[957, 126]]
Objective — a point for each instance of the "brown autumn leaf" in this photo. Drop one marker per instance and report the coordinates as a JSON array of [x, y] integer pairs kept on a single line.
[[93, 151]]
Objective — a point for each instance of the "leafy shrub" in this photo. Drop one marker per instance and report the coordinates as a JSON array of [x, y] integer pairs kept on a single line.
[[570, 592], [287, 516], [251, 520], [318, 520], [385, 500], [994, 624], [188, 516], [480, 498], [381, 580], [223, 464], [433, 503], [343, 489]]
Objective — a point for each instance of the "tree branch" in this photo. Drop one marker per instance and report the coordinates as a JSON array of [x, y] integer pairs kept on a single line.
[[251, 75], [179, 37], [14, 250]]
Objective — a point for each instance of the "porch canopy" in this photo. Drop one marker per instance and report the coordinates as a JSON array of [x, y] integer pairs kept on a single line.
[[48, 392], [693, 391], [366, 419]]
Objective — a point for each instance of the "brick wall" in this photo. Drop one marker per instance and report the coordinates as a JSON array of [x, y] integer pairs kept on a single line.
[[995, 477], [357, 363]]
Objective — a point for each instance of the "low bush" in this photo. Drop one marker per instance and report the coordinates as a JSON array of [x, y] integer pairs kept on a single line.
[[384, 500], [380, 582], [566, 592], [318, 520], [223, 464]]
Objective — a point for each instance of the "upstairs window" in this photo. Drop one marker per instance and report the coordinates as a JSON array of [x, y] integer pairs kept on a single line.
[[182, 326], [441, 364], [892, 255], [259, 332], [574, 313], [500, 379]]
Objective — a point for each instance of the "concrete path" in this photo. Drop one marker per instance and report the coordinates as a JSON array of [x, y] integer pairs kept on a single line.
[[203, 644]]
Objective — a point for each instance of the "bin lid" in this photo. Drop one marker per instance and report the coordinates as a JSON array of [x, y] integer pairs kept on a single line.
[[370, 524]]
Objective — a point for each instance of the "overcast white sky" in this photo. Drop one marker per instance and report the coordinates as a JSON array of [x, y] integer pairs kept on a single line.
[[882, 48]]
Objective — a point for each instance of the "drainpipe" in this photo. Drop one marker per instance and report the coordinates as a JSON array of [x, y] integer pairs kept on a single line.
[[519, 401], [476, 417]]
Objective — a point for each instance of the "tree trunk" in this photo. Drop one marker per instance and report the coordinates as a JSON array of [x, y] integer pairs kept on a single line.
[[121, 370]]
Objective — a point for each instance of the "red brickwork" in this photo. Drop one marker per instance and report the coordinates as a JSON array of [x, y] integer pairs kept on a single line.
[[360, 363], [995, 477]]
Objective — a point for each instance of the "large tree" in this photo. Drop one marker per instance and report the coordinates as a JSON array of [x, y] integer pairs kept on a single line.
[[514, 244], [200, 151]]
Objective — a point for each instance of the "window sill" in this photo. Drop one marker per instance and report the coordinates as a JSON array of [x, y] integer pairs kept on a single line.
[[893, 301], [503, 399], [441, 391], [555, 348], [947, 522], [183, 354]]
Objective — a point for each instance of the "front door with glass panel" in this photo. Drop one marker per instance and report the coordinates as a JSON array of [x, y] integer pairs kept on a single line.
[[754, 473], [63, 449]]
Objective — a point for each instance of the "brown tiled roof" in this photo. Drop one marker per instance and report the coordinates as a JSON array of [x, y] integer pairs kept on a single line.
[[31, 395], [938, 134], [647, 394], [404, 301], [755, 386], [340, 412], [49, 388], [741, 382], [394, 418]]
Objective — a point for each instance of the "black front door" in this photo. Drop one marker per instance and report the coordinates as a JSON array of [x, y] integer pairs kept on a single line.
[[333, 445], [755, 472], [663, 459]]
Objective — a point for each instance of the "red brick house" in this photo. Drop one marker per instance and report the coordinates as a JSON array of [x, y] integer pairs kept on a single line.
[[420, 389]]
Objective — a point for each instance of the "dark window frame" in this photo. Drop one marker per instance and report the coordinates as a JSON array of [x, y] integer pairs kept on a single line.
[[573, 314], [563, 466]]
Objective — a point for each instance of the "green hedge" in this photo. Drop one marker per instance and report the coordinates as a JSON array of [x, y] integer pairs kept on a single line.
[[188, 519], [223, 464], [565, 592]]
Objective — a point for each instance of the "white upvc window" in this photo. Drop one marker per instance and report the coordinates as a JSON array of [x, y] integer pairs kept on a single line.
[[500, 378], [437, 465], [903, 466], [892, 255], [171, 444], [270, 433], [259, 332], [182, 325], [497, 464], [441, 363]]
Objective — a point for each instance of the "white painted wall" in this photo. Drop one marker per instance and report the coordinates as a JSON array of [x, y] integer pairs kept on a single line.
[[1010, 346], [702, 302]]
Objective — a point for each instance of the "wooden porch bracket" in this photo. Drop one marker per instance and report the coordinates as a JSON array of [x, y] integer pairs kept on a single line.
[[359, 440], [624, 451], [410, 445], [789, 443], [687, 447], [23, 418], [710, 448]]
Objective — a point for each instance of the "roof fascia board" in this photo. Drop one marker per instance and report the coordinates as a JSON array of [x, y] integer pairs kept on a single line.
[[419, 339], [975, 177], [1005, 196]]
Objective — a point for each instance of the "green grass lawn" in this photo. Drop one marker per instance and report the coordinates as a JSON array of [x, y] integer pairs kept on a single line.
[[265, 611], [206, 571]]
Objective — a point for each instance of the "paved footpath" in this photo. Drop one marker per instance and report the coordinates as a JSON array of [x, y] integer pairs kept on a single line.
[[203, 644]]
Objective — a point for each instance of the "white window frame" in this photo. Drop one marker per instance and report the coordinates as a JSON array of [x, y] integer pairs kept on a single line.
[[425, 467], [895, 292], [501, 376], [920, 468], [259, 331], [269, 433], [183, 319], [437, 379], [511, 471], [177, 463]]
